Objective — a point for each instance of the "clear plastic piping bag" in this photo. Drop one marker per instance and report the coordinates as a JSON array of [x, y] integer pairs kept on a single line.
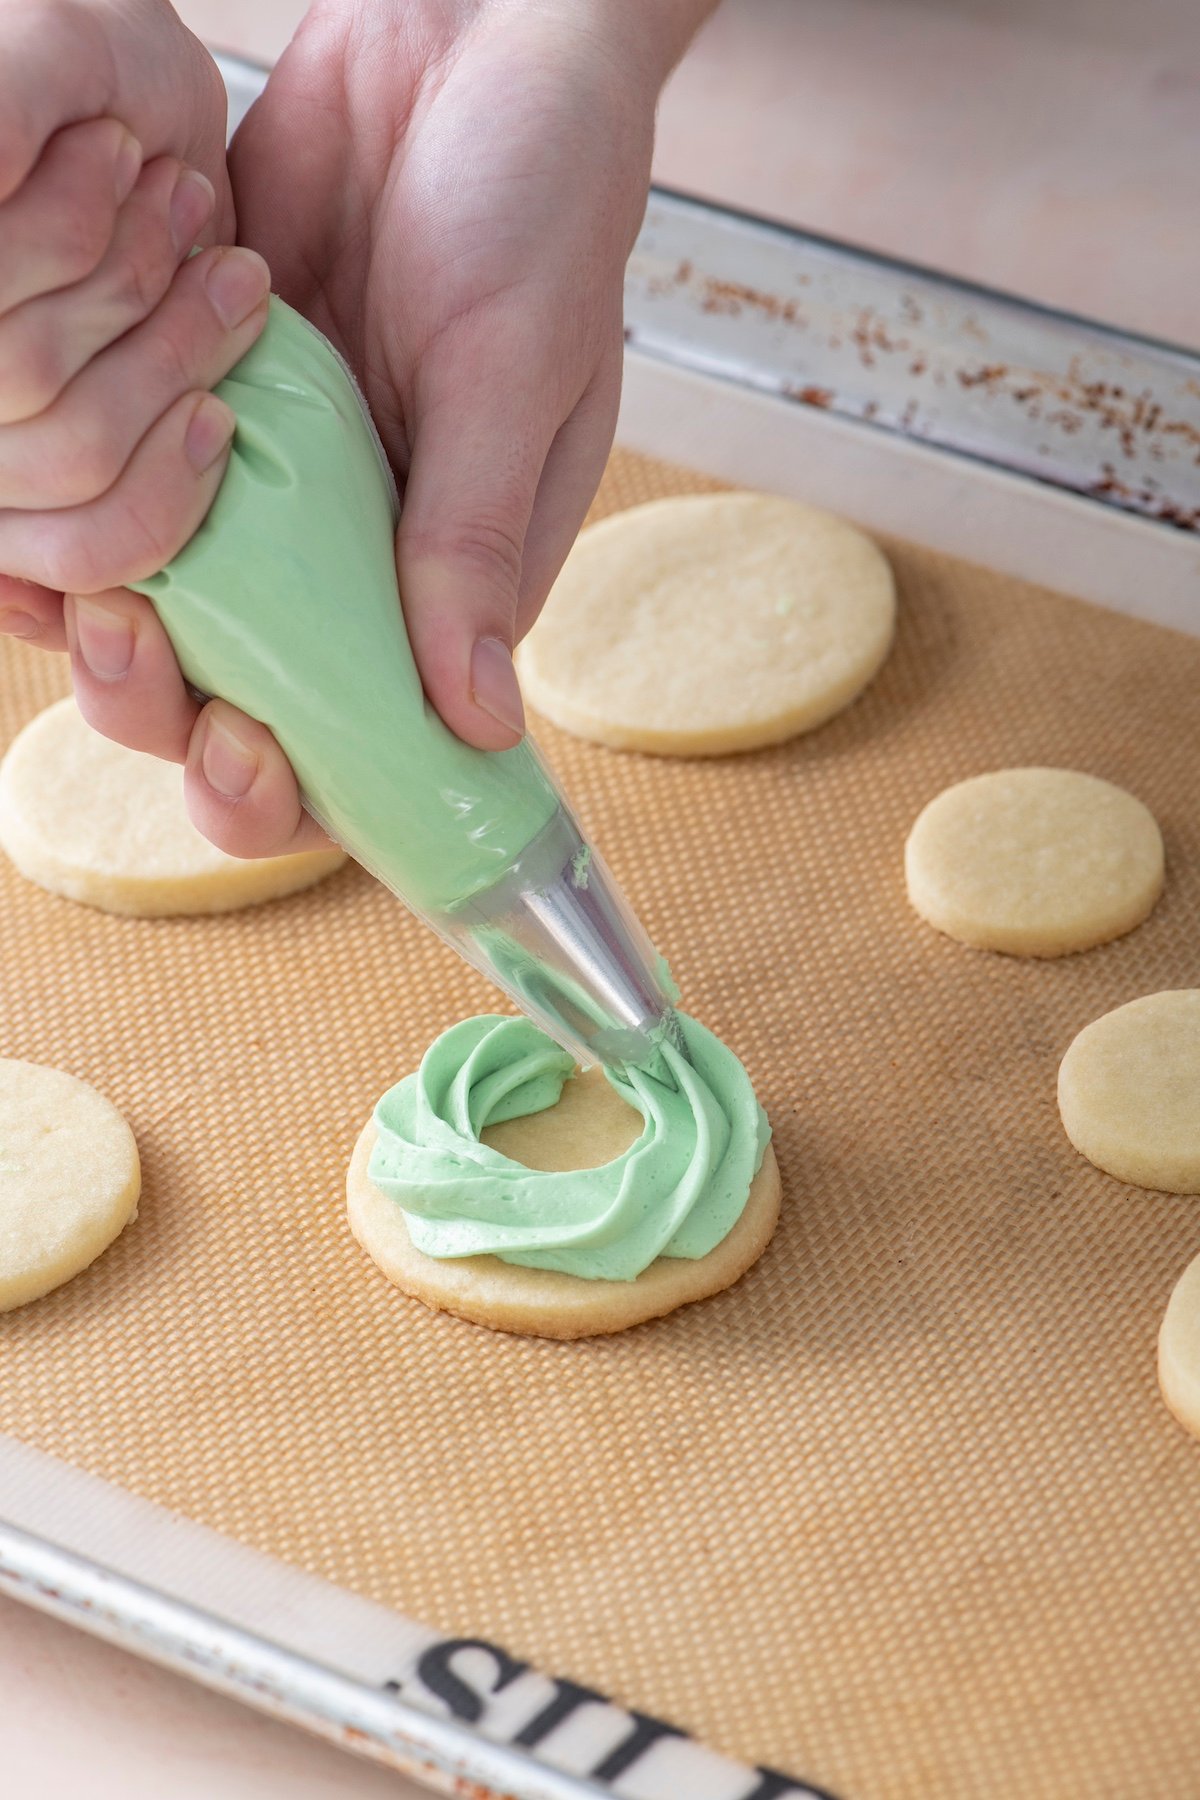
[[285, 604]]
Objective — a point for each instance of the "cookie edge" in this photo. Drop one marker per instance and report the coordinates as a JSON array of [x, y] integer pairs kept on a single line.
[[543, 1302]]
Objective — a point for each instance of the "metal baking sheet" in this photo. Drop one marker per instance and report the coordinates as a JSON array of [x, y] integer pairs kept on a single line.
[[153, 1601]]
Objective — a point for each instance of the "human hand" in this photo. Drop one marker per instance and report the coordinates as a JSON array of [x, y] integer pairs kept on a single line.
[[449, 189], [112, 166]]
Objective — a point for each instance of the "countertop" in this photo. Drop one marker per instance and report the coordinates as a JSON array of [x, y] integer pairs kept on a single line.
[[1048, 149]]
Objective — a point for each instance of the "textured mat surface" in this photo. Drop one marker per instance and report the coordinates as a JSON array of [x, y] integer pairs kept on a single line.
[[902, 1512]]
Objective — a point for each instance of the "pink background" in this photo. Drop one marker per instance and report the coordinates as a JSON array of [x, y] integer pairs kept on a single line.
[[1047, 148]]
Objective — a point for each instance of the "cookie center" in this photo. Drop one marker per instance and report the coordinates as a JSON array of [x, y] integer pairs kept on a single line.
[[589, 1125]]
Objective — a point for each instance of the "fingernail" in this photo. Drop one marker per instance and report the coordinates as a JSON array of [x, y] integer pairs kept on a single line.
[[127, 168], [494, 684], [212, 425], [105, 640], [18, 624], [192, 202], [15, 623], [229, 765], [237, 282]]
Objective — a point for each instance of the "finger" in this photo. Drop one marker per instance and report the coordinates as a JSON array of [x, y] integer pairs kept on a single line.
[[51, 73], [32, 613], [76, 450], [135, 528], [62, 62], [567, 488], [57, 226], [478, 451], [127, 682], [240, 789], [47, 341]]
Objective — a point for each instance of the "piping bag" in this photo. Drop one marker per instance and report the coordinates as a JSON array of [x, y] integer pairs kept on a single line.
[[285, 604]]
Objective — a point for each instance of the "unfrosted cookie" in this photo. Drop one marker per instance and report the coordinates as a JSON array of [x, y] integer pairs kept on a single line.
[[1179, 1349], [91, 820], [1129, 1092], [709, 623], [589, 1126], [69, 1178], [1035, 862]]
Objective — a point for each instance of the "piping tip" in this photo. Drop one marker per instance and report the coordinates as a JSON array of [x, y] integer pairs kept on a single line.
[[558, 935]]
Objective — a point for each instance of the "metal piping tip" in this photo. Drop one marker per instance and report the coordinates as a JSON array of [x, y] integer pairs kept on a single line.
[[558, 935]]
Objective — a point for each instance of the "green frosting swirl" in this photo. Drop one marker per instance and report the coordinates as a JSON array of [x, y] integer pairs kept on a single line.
[[677, 1191]]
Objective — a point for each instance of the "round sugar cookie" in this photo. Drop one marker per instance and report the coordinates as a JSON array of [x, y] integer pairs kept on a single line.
[[93, 821], [1179, 1349], [69, 1178], [709, 623], [589, 1126], [1034, 862], [1129, 1092]]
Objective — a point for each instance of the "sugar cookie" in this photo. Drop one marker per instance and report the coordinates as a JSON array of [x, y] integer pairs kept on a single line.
[[709, 623], [1179, 1349], [589, 1126], [1035, 862], [93, 821], [69, 1178], [1129, 1092]]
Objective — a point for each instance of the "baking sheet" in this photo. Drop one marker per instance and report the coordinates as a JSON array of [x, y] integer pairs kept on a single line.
[[902, 1512]]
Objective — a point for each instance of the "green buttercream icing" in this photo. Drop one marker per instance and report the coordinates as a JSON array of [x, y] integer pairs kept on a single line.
[[677, 1191]]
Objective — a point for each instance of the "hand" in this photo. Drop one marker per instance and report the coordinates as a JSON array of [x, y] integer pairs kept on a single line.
[[449, 189], [112, 166]]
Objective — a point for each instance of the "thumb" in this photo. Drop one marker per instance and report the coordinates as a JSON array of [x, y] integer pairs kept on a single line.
[[476, 460]]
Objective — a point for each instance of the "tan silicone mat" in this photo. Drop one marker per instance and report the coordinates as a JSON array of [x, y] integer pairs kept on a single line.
[[902, 1512]]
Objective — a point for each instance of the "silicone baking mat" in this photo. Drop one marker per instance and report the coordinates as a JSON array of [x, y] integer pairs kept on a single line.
[[902, 1512]]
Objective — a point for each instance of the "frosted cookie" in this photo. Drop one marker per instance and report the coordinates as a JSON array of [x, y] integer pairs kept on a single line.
[[1129, 1092], [93, 821], [496, 1184], [1035, 862], [69, 1178], [1179, 1349], [709, 623]]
